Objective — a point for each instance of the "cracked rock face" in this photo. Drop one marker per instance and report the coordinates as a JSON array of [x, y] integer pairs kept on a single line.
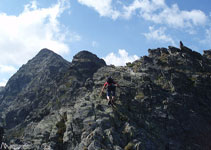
[[163, 103]]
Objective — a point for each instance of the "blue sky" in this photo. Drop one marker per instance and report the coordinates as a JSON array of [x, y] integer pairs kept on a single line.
[[117, 30]]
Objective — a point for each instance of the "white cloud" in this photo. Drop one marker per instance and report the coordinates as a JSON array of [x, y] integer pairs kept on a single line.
[[160, 13], [3, 82], [94, 44], [144, 6], [73, 37], [7, 69], [5, 72], [22, 36], [176, 18], [159, 35], [207, 39], [156, 11], [103, 7], [119, 59]]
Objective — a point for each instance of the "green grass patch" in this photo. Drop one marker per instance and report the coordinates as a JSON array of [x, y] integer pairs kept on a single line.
[[129, 146], [140, 95], [129, 64], [61, 128]]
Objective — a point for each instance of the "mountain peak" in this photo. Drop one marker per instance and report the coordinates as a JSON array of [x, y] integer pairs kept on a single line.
[[45, 50], [46, 64], [87, 63], [46, 53], [84, 54], [160, 97], [84, 57]]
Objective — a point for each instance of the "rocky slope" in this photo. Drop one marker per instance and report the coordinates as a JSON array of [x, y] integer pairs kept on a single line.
[[163, 103]]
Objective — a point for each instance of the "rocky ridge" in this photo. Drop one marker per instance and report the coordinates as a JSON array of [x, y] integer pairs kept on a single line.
[[163, 103]]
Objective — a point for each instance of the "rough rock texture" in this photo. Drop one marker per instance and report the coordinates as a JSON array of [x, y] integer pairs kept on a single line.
[[1, 88], [31, 88], [1, 92], [163, 103]]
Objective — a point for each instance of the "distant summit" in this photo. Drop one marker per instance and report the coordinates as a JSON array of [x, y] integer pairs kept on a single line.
[[87, 63], [87, 57], [47, 58], [44, 65], [45, 53]]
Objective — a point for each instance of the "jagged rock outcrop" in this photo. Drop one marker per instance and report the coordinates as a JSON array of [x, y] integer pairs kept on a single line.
[[24, 90], [86, 64], [1, 88], [1, 93], [163, 103], [207, 54]]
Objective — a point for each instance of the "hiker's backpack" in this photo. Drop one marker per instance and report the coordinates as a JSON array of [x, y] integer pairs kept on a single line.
[[111, 86]]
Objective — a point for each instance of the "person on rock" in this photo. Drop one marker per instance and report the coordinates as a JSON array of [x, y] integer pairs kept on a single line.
[[181, 45], [111, 85]]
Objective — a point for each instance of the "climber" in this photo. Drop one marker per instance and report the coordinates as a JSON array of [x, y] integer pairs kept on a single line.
[[110, 84], [181, 45]]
